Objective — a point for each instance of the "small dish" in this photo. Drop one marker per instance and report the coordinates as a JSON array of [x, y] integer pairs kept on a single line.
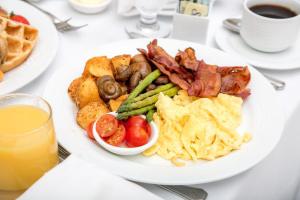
[[89, 8], [127, 150]]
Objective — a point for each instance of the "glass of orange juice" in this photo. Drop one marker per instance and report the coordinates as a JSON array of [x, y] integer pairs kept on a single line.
[[28, 146]]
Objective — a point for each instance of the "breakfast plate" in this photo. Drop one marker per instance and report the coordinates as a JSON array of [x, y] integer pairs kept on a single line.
[[42, 54], [234, 44], [265, 128]]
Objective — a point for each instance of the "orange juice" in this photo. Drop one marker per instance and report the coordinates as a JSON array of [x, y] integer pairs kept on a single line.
[[28, 146]]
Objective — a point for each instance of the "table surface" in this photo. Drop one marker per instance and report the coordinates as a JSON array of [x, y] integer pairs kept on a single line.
[[253, 183]]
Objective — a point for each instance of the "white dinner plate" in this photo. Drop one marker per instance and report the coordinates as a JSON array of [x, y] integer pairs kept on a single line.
[[234, 44], [42, 54], [262, 116]]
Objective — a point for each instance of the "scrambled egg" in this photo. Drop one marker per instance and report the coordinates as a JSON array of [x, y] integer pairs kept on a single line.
[[194, 128]]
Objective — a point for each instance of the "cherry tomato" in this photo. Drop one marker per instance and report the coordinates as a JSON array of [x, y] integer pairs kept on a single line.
[[89, 131], [136, 121], [129, 145], [118, 137], [19, 18], [136, 136], [148, 129], [106, 125]]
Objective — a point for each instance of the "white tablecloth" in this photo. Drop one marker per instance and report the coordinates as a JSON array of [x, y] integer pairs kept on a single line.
[[99, 32]]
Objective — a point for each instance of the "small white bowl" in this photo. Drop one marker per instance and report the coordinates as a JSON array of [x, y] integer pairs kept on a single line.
[[89, 8], [127, 150]]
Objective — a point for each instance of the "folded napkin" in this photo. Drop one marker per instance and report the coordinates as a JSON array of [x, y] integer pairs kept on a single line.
[[75, 178]]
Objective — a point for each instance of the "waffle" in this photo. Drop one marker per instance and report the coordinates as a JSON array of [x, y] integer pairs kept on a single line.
[[20, 38]]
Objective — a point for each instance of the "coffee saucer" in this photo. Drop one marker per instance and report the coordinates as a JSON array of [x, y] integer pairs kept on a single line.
[[233, 43]]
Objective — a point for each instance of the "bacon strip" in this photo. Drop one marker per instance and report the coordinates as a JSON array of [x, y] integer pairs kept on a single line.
[[207, 81], [197, 77], [174, 78], [187, 58], [234, 79], [167, 65]]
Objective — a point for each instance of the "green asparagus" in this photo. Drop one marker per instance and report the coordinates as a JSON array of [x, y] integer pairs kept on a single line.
[[142, 85], [147, 101], [152, 92], [139, 111], [149, 115]]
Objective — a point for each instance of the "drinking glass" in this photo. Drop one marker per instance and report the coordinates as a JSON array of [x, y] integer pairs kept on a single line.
[[148, 25], [28, 149]]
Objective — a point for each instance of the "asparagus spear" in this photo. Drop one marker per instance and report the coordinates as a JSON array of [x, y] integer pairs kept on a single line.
[[144, 83], [152, 92], [139, 111], [141, 86], [147, 101], [149, 115]]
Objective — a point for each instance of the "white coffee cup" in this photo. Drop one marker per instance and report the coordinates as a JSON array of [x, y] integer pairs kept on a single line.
[[269, 34]]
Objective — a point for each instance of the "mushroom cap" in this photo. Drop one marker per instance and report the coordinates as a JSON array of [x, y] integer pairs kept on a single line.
[[108, 88]]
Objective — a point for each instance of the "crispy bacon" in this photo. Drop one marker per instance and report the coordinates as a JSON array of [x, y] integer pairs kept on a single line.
[[234, 79], [197, 77], [174, 78], [159, 55], [244, 94], [167, 65], [207, 81], [187, 58]]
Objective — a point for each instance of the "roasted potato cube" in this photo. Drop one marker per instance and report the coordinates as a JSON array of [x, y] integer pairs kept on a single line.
[[114, 104], [73, 87], [90, 113], [120, 60], [87, 92], [98, 66]]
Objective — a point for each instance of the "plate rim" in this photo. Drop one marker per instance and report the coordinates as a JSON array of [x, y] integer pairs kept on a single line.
[[181, 182]]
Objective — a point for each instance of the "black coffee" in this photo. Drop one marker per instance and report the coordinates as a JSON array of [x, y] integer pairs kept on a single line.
[[273, 11]]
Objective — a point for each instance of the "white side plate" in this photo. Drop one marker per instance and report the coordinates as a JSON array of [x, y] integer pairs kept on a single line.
[[41, 56]]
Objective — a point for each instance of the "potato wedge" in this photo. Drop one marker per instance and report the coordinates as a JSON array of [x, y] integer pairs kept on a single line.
[[98, 66], [87, 92], [120, 60], [72, 90], [114, 104], [90, 113]]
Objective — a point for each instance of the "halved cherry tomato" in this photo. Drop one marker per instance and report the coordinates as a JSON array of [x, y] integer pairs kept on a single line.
[[136, 136], [118, 137], [89, 131], [136, 121], [106, 125], [19, 18]]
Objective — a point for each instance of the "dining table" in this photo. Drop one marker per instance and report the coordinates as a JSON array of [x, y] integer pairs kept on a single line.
[[264, 181]]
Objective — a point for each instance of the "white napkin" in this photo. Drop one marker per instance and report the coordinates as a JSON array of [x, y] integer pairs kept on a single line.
[[77, 179]]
